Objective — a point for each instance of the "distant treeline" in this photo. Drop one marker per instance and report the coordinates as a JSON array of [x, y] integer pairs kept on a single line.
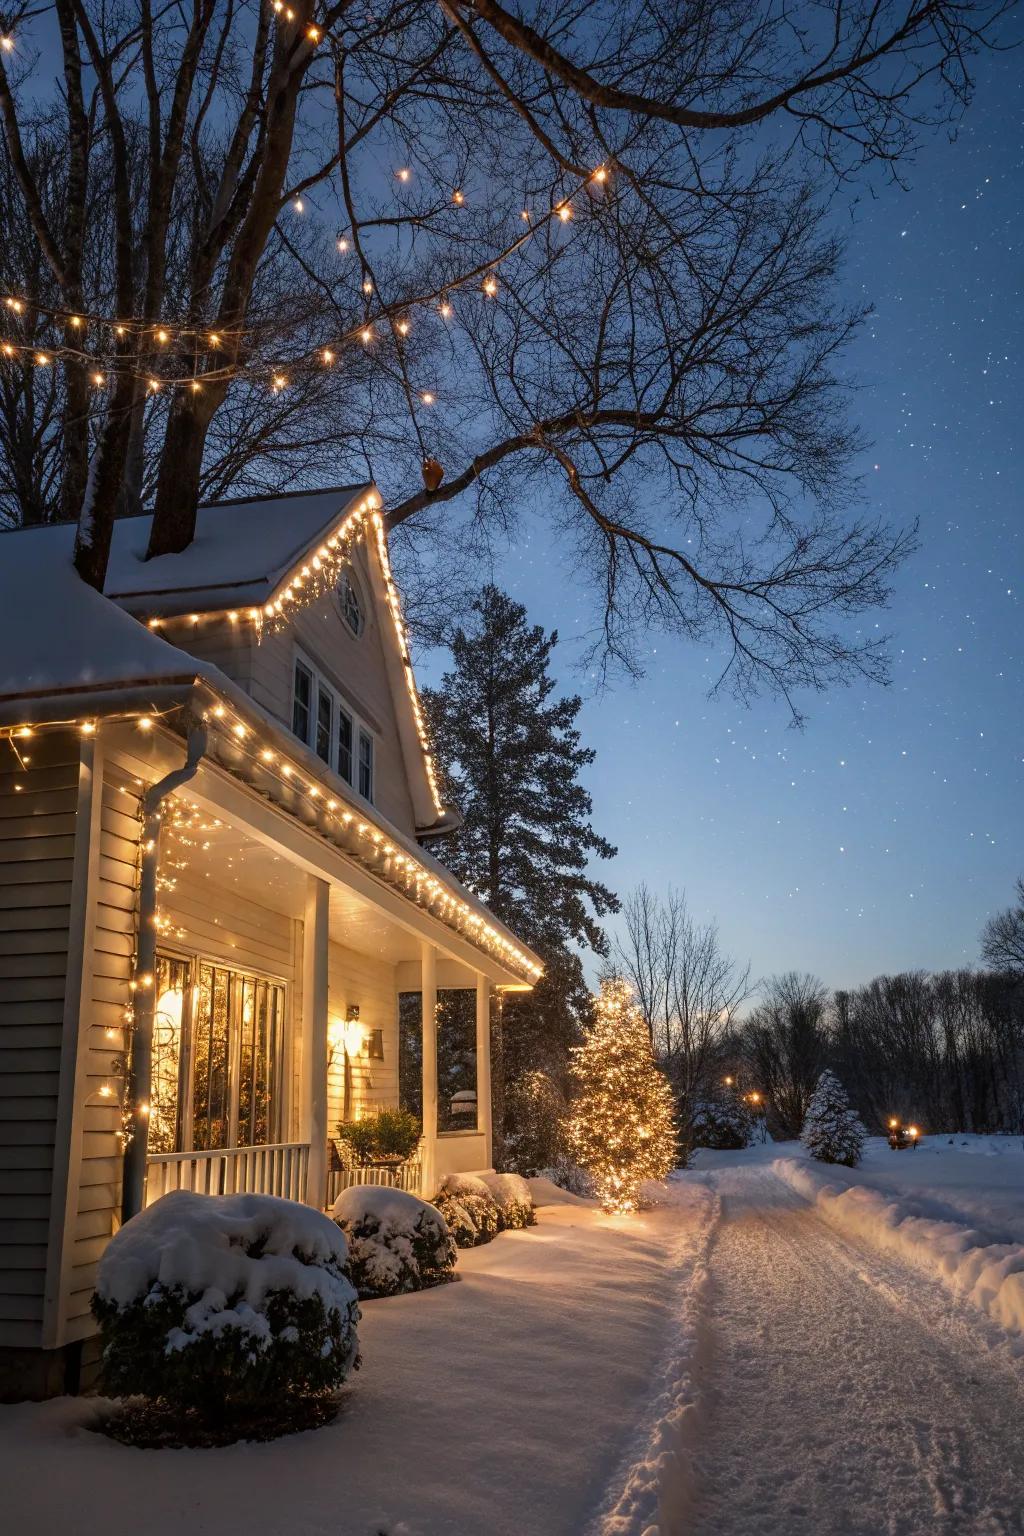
[[946, 1051]]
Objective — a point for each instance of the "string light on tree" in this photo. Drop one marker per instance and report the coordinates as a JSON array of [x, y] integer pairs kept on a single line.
[[621, 1126]]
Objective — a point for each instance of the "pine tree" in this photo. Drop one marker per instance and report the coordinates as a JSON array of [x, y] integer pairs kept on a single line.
[[621, 1126], [832, 1131], [510, 756]]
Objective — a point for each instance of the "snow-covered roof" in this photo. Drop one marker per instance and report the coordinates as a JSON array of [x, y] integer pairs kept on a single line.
[[58, 634], [241, 552]]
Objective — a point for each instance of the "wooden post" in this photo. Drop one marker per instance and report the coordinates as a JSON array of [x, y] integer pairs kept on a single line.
[[483, 1064], [428, 1007], [314, 1036]]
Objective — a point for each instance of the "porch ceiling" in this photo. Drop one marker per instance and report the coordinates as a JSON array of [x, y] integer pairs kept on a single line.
[[230, 859]]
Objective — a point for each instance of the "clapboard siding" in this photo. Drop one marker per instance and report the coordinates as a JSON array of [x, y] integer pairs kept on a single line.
[[371, 985], [97, 1194], [38, 807], [222, 925]]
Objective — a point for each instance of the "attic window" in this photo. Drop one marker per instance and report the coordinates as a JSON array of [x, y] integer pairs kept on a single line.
[[350, 602]]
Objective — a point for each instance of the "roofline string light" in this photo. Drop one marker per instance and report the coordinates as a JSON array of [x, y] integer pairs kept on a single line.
[[314, 578], [360, 835]]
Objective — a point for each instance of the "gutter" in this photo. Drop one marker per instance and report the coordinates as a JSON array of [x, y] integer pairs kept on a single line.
[[141, 1067]]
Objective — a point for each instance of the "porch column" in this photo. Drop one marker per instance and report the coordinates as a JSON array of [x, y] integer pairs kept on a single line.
[[483, 1064], [314, 1037], [428, 1005]]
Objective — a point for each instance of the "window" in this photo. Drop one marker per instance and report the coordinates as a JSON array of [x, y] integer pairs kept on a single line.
[[345, 745], [302, 701], [365, 765], [324, 722], [218, 1058], [324, 716], [349, 603]]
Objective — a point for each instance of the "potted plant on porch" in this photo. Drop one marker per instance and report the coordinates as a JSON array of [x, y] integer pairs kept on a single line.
[[385, 1139]]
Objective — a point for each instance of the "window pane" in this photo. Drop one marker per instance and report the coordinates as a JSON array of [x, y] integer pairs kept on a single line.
[[365, 765], [345, 746], [211, 1040], [165, 1097], [456, 1060], [260, 1041], [324, 710], [302, 701]]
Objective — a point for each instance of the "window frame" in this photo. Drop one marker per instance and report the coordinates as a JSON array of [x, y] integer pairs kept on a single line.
[[279, 1117], [348, 575], [360, 730]]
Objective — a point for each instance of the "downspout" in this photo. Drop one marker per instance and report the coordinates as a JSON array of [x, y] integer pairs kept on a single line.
[[141, 1067]]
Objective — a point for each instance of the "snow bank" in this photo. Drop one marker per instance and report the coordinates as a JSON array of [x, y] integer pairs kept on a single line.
[[989, 1274], [220, 1246]]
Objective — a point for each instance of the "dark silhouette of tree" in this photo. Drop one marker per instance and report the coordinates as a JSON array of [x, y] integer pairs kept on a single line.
[[1002, 938], [601, 280]]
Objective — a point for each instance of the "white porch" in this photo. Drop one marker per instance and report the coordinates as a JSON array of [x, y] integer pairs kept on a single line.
[[276, 1010]]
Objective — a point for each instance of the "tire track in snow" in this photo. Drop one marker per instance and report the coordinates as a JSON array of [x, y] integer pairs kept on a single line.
[[846, 1395]]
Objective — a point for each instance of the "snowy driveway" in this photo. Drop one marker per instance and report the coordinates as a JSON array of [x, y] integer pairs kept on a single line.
[[847, 1393], [730, 1364]]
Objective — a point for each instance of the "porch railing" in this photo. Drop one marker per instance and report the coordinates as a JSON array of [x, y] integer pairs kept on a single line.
[[279, 1169], [407, 1176]]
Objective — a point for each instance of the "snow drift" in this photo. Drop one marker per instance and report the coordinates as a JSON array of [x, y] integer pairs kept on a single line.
[[989, 1274]]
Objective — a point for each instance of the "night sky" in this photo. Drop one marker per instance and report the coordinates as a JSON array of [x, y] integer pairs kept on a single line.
[[881, 836]]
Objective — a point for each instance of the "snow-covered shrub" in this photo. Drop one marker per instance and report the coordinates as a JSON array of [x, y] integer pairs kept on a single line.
[[457, 1219], [513, 1198], [475, 1201], [226, 1304], [395, 1242], [833, 1132], [722, 1123]]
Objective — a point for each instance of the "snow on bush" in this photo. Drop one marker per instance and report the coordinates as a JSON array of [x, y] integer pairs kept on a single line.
[[570, 1177], [463, 1197], [832, 1131], [395, 1242], [512, 1195], [722, 1123], [226, 1302], [991, 1275]]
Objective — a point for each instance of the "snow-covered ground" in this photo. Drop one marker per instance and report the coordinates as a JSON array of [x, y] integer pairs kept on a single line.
[[544, 1388], [780, 1349]]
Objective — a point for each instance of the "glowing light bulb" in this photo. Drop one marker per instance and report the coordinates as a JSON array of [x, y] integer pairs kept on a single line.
[[565, 213], [402, 327], [403, 174], [490, 286], [367, 285], [279, 383], [42, 360], [600, 174], [162, 336], [445, 309], [343, 244], [427, 398], [299, 205], [99, 379], [214, 339], [458, 197], [366, 334], [328, 355]]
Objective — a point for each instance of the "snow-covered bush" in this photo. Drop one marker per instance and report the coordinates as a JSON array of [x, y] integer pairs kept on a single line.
[[722, 1123], [226, 1305], [466, 1196], [395, 1242], [833, 1132], [513, 1198]]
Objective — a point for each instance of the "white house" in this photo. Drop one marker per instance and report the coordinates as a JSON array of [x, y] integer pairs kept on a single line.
[[214, 783]]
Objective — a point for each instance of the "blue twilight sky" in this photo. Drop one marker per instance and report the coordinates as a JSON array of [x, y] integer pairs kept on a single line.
[[880, 837]]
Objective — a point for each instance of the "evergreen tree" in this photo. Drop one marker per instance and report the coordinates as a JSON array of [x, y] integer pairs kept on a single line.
[[833, 1132], [621, 1128], [510, 757]]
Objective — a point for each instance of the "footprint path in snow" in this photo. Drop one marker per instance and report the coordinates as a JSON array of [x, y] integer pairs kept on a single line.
[[847, 1395]]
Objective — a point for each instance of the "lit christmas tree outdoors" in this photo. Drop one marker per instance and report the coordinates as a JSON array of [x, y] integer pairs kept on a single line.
[[621, 1124]]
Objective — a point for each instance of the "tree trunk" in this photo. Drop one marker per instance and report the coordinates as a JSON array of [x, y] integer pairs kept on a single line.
[[96, 517], [76, 441], [181, 463]]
